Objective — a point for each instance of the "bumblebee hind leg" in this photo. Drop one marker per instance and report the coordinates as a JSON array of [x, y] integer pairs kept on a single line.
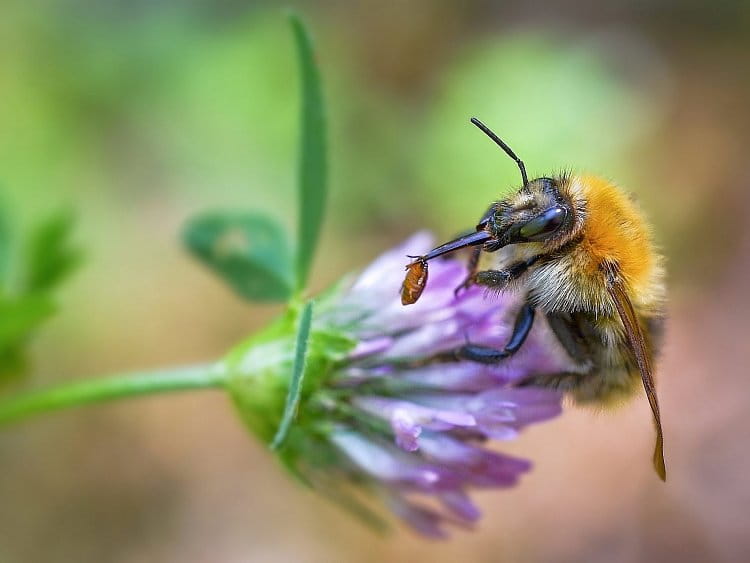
[[574, 335], [601, 377], [602, 387], [566, 382]]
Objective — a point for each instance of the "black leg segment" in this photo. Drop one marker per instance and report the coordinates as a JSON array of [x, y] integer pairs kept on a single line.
[[473, 265], [499, 280], [488, 355]]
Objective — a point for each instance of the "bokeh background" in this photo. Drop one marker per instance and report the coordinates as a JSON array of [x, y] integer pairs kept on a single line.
[[137, 114]]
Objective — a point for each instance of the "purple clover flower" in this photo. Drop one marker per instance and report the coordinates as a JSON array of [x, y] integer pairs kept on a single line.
[[380, 415]]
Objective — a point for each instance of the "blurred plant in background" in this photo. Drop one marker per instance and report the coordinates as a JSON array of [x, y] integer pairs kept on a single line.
[[31, 270], [584, 115]]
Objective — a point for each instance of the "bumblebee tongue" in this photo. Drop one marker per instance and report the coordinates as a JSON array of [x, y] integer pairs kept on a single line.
[[472, 239]]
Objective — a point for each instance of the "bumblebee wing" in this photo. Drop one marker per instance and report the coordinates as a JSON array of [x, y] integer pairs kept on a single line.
[[643, 359]]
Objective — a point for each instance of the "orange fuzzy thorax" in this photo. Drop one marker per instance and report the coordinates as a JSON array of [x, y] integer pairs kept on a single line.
[[616, 231]]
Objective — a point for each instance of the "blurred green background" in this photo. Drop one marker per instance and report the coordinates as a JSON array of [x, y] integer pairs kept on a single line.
[[137, 114]]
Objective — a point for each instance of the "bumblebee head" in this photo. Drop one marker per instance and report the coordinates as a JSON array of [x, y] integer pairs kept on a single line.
[[542, 212]]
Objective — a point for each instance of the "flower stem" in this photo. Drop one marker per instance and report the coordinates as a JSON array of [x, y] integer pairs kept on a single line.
[[108, 389]]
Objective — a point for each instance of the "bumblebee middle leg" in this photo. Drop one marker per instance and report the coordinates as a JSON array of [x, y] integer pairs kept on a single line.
[[489, 355]]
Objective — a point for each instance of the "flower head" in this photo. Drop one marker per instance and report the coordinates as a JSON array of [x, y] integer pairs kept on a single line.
[[382, 410]]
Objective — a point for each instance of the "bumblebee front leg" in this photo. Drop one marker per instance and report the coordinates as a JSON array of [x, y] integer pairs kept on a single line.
[[488, 355], [498, 280], [473, 265]]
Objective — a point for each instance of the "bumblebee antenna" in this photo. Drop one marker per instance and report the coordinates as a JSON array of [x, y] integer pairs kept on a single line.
[[487, 131]]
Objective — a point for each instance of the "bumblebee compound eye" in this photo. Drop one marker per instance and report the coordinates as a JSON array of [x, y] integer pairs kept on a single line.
[[544, 224]]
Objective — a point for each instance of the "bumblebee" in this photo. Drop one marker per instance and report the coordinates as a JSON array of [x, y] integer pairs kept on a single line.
[[582, 254]]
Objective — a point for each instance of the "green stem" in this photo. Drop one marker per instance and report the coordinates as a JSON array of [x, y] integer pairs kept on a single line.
[[108, 389]]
